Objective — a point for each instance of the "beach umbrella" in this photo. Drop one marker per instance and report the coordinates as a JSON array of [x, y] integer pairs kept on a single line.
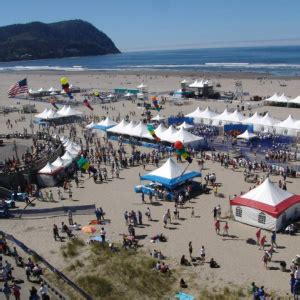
[[88, 229]]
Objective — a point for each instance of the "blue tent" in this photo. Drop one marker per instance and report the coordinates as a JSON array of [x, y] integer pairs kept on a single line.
[[170, 174]]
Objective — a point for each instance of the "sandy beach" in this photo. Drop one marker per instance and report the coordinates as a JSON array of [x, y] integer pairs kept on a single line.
[[241, 263]]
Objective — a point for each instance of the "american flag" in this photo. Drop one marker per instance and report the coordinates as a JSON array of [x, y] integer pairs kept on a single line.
[[19, 88]]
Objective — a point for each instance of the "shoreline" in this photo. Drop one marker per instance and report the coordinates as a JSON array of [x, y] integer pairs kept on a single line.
[[173, 73]]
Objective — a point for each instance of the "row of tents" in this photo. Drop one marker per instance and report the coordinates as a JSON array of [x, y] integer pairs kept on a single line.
[[51, 173], [289, 126], [65, 111], [282, 99], [169, 134]]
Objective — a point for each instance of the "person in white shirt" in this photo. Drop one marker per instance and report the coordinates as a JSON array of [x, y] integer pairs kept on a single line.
[[297, 273], [43, 290]]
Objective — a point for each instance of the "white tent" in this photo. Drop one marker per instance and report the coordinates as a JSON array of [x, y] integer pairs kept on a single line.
[[69, 156], [161, 128], [119, 127], [42, 115], [235, 117], [266, 206], [69, 111], [185, 125], [246, 135], [51, 114], [141, 131], [90, 126], [108, 122], [128, 95], [295, 100], [255, 119], [158, 118], [31, 91], [274, 98], [220, 119], [40, 90], [73, 150], [128, 128], [195, 114], [184, 81], [205, 116], [284, 99], [167, 134], [52, 89], [288, 126], [49, 169], [186, 138], [268, 121], [59, 162], [200, 83]]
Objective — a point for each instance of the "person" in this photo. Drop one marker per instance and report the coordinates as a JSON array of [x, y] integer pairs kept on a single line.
[[263, 242], [254, 290], [70, 194], [292, 283], [70, 216], [103, 234], [261, 293], [225, 229], [213, 264], [140, 217], [265, 259], [143, 197], [148, 214], [190, 249], [165, 220], [182, 284], [55, 232], [51, 198], [217, 226], [43, 290], [219, 211], [16, 291], [215, 211], [215, 190], [184, 261], [273, 239], [33, 294], [202, 254], [6, 290], [59, 194], [192, 213], [258, 233]]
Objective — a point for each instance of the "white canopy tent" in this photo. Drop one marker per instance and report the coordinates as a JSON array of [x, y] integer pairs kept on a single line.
[[220, 119], [161, 128], [91, 125], [235, 117], [141, 131], [205, 116], [246, 135], [42, 115], [195, 114], [49, 169], [69, 156], [186, 138], [142, 86], [108, 122], [185, 125], [167, 134], [288, 126], [119, 127], [266, 206], [267, 123], [59, 162], [255, 119]]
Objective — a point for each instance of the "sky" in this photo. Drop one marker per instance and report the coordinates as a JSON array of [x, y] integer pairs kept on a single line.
[[137, 25]]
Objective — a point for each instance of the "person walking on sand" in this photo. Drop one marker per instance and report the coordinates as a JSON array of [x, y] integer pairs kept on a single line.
[[51, 198], [219, 211], [70, 194], [265, 259], [70, 217], [273, 239], [55, 233], [258, 233], [263, 242], [148, 214], [190, 249], [165, 220], [217, 226], [192, 213], [215, 211], [225, 229]]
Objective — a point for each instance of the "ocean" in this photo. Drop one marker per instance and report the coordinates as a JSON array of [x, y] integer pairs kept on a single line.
[[278, 61]]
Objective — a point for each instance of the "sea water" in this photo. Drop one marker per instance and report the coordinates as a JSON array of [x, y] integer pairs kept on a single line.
[[280, 60]]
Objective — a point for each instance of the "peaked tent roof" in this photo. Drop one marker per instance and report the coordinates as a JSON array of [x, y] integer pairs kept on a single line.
[[268, 198], [185, 137], [167, 134], [207, 114], [170, 174], [142, 86], [161, 128], [222, 116], [108, 122], [119, 127], [185, 126], [49, 169], [255, 119], [268, 120], [235, 117], [246, 135], [68, 156], [295, 100], [91, 125], [43, 114], [273, 98], [195, 113], [141, 130], [289, 122], [59, 162], [158, 118]]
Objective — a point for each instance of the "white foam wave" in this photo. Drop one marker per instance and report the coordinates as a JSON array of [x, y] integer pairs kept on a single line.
[[42, 68], [254, 66]]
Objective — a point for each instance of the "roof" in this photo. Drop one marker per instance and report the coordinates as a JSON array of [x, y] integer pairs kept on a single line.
[[170, 174], [119, 127], [268, 120], [195, 113], [235, 117], [246, 135], [255, 119], [185, 137], [167, 134], [268, 198], [185, 125], [223, 115], [158, 118], [207, 114], [289, 122], [161, 128], [49, 169]]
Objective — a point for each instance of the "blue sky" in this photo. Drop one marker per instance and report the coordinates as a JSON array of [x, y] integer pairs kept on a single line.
[[170, 24]]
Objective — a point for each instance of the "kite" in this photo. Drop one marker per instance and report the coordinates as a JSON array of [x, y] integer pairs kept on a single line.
[[180, 150], [66, 87], [83, 163], [53, 102], [87, 104], [150, 129], [155, 103]]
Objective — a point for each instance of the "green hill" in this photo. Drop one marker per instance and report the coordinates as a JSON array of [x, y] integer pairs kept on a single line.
[[38, 40]]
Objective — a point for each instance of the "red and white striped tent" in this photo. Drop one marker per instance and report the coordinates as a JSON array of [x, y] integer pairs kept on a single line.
[[266, 206]]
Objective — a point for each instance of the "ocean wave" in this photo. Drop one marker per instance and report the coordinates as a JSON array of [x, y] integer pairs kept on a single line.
[[254, 65], [42, 68]]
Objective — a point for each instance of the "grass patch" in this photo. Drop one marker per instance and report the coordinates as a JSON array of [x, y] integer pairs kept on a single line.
[[95, 285], [71, 249]]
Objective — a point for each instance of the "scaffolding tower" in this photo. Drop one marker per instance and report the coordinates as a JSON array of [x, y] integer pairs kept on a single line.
[[239, 93]]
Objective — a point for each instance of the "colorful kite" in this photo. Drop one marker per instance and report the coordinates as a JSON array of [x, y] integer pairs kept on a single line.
[[155, 103], [87, 104], [180, 150], [150, 129], [66, 87], [83, 163]]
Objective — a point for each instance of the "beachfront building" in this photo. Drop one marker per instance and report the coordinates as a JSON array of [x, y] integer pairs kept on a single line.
[[266, 206]]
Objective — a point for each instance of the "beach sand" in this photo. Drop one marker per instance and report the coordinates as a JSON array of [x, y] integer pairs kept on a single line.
[[241, 263]]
